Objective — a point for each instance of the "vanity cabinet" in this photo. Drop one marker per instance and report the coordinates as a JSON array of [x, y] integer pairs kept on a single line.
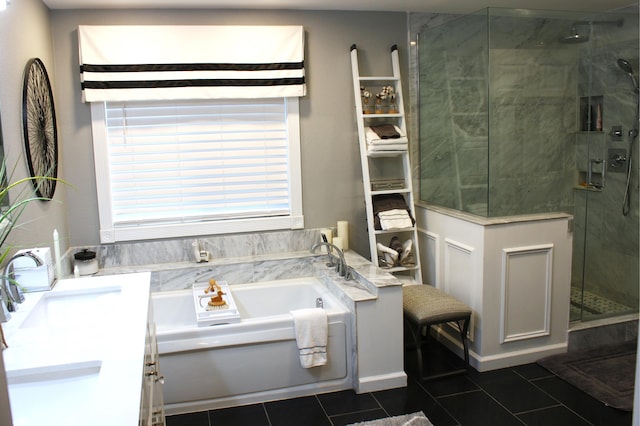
[[152, 401]]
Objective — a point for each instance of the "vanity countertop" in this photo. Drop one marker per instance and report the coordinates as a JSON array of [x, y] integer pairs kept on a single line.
[[76, 352]]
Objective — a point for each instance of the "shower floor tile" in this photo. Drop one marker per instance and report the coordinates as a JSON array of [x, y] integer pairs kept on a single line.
[[594, 304]]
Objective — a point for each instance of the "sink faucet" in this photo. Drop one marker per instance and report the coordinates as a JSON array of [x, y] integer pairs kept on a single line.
[[339, 263], [10, 293]]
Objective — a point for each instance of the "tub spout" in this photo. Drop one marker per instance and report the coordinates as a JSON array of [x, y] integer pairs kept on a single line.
[[339, 263]]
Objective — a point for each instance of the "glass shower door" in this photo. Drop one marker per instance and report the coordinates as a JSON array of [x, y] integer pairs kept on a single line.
[[605, 272]]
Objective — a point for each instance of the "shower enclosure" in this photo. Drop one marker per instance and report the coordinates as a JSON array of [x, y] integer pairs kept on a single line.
[[524, 112]]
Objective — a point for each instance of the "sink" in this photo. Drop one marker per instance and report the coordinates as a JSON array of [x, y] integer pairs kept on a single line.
[[74, 308], [76, 352], [40, 394]]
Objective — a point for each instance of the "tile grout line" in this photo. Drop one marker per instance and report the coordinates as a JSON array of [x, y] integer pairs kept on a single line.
[[323, 409], [266, 413], [437, 400], [496, 400], [356, 412], [556, 399], [379, 404]]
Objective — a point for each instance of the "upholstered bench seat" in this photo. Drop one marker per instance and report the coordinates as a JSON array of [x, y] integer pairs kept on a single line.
[[424, 306]]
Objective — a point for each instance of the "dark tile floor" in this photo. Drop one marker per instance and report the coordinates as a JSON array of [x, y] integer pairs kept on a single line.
[[522, 395]]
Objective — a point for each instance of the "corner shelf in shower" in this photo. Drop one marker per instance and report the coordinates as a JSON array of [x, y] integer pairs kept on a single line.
[[378, 163], [587, 188]]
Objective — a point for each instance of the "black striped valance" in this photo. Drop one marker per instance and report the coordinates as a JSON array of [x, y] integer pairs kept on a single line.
[[119, 63]]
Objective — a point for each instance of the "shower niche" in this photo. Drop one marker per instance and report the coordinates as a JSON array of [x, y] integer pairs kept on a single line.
[[591, 113]]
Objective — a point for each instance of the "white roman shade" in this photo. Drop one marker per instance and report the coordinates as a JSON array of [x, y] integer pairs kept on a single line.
[[163, 62]]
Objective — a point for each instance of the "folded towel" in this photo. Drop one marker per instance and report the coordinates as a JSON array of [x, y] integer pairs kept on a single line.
[[373, 138], [388, 147], [311, 336], [395, 219], [384, 202]]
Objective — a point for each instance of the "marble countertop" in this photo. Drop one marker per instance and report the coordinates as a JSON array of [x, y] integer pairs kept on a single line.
[[489, 221], [107, 336]]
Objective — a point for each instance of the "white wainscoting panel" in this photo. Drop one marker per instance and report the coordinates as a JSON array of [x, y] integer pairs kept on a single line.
[[429, 243], [459, 270], [526, 292]]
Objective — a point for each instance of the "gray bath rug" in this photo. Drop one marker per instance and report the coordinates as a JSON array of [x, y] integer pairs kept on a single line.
[[606, 373], [415, 419]]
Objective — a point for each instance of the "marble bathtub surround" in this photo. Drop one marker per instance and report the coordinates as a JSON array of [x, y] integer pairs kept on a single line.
[[219, 247], [237, 259], [120, 257]]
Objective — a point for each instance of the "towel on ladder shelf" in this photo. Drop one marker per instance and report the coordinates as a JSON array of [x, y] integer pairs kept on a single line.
[[377, 143], [311, 336], [395, 219]]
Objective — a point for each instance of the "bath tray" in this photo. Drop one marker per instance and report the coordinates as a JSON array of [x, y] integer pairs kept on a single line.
[[228, 314]]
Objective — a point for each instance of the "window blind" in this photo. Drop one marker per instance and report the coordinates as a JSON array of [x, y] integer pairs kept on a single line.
[[180, 162]]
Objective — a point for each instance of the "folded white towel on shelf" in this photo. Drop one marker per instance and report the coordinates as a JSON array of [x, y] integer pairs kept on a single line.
[[388, 147], [373, 139], [311, 331], [395, 219]]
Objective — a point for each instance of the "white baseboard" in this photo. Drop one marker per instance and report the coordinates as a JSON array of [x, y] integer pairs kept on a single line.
[[381, 382], [503, 359]]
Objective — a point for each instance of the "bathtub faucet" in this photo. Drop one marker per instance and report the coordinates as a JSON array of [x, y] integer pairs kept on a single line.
[[339, 262]]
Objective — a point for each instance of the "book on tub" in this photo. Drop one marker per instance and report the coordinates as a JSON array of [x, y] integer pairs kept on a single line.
[[214, 304]]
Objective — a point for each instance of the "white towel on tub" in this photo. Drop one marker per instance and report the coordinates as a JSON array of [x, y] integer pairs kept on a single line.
[[311, 336]]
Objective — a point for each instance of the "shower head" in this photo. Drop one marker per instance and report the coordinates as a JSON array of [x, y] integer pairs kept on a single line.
[[574, 37], [626, 67]]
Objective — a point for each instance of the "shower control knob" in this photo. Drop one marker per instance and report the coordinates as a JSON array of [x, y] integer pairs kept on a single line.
[[617, 160], [616, 132]]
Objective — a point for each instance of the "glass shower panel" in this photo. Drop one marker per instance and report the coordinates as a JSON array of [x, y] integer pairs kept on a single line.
[[453, 114], [610, 266], [532, 114]]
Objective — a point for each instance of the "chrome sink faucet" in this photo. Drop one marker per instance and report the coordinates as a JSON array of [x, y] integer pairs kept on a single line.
[[10, 293], [339, 263]]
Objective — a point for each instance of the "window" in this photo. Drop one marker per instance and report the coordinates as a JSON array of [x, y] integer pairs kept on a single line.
[[199, 167]]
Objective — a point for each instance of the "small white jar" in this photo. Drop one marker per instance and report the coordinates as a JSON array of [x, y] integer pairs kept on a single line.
[[86, 262]]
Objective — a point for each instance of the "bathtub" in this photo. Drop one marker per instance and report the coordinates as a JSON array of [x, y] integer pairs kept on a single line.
[[254, 360]]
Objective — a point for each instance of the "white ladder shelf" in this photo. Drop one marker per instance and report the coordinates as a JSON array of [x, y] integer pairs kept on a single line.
[[385, 168]]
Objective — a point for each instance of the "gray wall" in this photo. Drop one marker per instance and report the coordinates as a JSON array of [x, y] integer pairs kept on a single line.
[[25, 33], [332, 181]]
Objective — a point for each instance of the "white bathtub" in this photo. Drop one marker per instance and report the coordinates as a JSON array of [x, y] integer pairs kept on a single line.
[[255, 360]]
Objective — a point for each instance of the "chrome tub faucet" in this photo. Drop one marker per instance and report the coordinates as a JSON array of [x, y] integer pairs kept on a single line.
[[339, 263]]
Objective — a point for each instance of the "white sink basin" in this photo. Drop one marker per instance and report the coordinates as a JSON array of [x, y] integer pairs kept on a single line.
[[77, 349], [41, 394], [74, 308]]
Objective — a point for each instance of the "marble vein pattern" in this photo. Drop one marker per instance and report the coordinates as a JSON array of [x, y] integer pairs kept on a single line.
[[238, 259]]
